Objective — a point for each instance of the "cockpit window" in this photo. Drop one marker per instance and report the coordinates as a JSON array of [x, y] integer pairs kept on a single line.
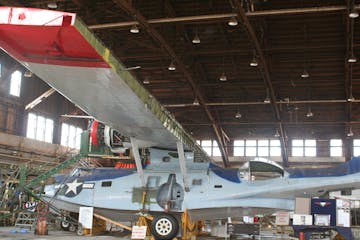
[[261, 169]]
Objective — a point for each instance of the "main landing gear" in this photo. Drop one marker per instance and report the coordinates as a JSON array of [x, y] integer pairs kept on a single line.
[[164, 227], [67, 224]]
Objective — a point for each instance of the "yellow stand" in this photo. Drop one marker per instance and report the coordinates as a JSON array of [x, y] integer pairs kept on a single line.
[[190, 229], [145, 220]]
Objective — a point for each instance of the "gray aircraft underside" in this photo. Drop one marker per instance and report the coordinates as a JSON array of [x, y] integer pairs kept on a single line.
[[214, 192]]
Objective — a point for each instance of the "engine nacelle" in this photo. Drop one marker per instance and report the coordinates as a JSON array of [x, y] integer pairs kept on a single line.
[[104, 135]]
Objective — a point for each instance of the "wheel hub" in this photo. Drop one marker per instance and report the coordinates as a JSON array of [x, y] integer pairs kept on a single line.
[[163, 226]]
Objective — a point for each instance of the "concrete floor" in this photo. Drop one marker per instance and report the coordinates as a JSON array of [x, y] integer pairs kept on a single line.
[[14, 233]]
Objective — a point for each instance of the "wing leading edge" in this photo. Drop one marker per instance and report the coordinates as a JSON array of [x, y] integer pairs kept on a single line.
[[62, 51]]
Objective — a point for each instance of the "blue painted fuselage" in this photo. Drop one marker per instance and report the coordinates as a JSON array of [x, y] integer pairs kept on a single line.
[[226, 191]]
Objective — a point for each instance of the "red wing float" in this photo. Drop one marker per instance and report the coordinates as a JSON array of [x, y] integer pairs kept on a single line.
[[59, 48]]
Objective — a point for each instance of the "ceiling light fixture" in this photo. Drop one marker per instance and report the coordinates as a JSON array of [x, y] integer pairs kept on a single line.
[[134, 29], [233, 22], [353, 12], [196, 39], [277, 134], [254, 62], [352, 58], [238, 114], [305, 74], [172, 66], [267, 100], [223, 77], [28, 74], [309, 114], [196, 102], [351, 98], [52, 5], [350, 133], [146, 81]]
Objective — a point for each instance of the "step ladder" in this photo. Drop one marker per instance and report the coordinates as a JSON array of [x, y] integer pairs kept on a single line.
[[25, 219]]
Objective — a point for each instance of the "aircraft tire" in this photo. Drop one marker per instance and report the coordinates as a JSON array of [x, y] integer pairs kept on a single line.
[[72, 228], [164, 227], [80, 232], [65, 225]]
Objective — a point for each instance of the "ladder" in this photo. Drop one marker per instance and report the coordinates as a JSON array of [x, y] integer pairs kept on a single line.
[[25, 219]]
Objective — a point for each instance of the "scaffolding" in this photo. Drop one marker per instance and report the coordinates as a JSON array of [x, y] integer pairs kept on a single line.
[[26, 219]]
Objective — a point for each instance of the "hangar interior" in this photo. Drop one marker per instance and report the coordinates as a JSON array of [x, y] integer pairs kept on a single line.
[[273, 79]]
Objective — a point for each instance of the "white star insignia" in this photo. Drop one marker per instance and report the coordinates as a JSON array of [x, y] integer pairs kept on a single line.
[[73, 186]]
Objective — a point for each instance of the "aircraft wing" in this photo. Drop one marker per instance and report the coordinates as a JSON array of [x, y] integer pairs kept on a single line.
[[62, 51]]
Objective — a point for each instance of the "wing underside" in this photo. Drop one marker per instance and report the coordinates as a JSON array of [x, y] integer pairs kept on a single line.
[[61, 50]]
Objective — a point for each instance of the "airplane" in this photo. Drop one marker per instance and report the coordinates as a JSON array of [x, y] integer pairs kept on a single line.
[[174, 171]]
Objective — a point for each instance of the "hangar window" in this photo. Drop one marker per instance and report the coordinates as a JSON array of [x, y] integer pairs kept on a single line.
[[275, 148], [250, 148], [70, 136], [206, 145], [15, 83], [335, 148], [215, 149], [304, 148], [257, 148], [356, 150], [40, 128], [211, 147], [239, 148]]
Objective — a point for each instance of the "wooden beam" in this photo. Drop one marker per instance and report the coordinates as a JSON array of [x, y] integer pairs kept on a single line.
[[348, 74], [222, 141], [39, 99], [265, 73], [274, 123], [112, 221], [221, 17]]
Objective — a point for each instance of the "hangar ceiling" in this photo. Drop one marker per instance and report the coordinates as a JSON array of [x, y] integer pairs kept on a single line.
[[243, 68]]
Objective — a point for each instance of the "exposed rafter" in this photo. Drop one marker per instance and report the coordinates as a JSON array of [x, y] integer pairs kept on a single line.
[[39, 99], [223, 136], [265, 73], [223, 16], [274, 123], [349, 39]]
